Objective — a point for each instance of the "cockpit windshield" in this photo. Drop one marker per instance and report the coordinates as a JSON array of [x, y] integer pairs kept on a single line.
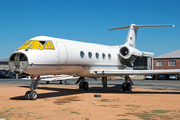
[[35, 44]]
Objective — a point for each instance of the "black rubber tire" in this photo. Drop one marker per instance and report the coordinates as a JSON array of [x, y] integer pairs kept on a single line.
[[127, 87], [33, 95], [123, 87], [47, 82], [96, 95], [60, 82], [81, 86], [85, 85], [27, 95]]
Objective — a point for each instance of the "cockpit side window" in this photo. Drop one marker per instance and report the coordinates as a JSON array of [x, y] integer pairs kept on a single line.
[[26, 45], [42, 42], [36, 45], [49, 45]]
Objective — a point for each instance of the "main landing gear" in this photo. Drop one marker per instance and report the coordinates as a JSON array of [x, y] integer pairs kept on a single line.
[[32, 95], [127, 85], [104, 82], [82, 83]]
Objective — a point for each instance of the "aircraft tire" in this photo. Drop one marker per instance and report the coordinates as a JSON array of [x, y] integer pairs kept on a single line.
[[97, 95], [60, 82], [33, 95], [127, 87], [85, 85], [81, 86], [123, 87], [27, 95], [47, 82]]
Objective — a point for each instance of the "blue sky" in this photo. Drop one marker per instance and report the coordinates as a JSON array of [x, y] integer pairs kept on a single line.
[[89, 21]]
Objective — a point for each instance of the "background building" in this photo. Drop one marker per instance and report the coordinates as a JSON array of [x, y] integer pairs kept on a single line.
[[4, 68], [4, 64], [169, 60]]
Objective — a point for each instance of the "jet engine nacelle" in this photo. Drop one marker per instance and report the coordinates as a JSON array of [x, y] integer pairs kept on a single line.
[[129, 52]]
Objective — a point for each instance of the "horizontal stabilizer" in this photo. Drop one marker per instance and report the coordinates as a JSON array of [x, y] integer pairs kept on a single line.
[[132, 34], [138, 26]]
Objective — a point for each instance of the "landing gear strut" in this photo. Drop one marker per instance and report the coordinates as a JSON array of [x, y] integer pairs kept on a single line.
[[127, 85], [104, 82], [32, 95], [82, 83]]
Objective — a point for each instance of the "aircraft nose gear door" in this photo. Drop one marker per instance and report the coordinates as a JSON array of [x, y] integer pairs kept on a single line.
[[62, 56]]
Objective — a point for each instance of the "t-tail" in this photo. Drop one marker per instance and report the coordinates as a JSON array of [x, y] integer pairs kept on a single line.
[[132, 34], [128, 52]]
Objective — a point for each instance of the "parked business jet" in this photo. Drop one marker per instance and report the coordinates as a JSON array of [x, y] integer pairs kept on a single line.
[[54, 78], [44, 55]]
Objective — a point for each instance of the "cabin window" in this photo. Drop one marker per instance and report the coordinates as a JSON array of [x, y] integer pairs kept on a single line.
[[109, 56], [90, 54], [82, 54], [97, 55], [103, 56]]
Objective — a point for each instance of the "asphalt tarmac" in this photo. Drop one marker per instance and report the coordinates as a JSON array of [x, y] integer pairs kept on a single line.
[[145, 84]]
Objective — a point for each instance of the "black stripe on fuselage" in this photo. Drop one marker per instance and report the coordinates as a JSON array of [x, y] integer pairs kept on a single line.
[[82, 65]]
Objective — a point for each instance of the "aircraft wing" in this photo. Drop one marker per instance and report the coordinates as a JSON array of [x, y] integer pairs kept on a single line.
[[59, 78], [135, 72]]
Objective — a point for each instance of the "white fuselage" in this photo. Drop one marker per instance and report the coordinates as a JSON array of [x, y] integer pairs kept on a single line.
[[66, 58], [44, 55]]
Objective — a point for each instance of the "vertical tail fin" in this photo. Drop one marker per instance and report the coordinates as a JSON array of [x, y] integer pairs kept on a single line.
[[132, 34]]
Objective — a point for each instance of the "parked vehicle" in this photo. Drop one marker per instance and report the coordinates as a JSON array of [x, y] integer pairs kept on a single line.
[[161, 77], [173, 77], [14, 76], [178, 77], [149, 77], [2, 76]]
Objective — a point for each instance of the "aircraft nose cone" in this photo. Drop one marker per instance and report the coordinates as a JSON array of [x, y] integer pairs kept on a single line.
[[18, 63]]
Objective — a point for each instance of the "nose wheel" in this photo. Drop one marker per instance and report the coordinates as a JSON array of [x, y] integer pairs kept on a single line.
[[31, 95]]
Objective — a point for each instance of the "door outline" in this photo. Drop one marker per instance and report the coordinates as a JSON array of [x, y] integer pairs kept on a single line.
[[62, 56]]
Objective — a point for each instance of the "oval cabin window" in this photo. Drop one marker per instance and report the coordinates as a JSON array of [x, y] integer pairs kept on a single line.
[[97, 55], [90, 54], [103, 56], [109, 56], [82, 54]]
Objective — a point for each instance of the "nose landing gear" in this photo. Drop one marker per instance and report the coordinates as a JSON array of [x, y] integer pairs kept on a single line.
[[32, 95]]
